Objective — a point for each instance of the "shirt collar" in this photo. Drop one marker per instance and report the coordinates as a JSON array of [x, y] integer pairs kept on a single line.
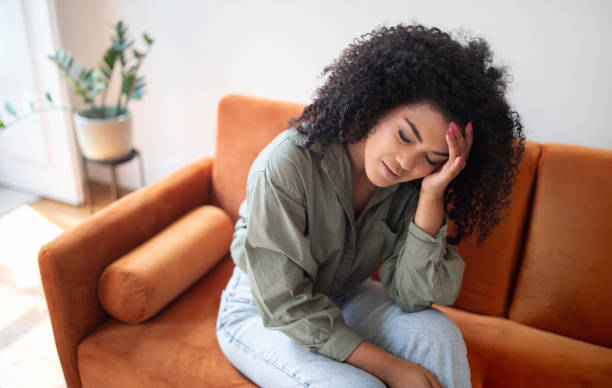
[[300, 139], [337, 165]]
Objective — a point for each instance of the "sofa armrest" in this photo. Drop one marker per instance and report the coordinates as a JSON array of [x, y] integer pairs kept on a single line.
[[71, 264]]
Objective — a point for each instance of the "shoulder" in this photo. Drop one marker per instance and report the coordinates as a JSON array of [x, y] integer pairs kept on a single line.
[[284, 162]]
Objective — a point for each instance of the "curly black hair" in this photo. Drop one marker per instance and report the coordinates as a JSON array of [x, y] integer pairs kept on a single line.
[[408, 64]]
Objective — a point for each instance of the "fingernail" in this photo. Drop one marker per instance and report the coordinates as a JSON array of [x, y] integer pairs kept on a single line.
[[453, 127], [460, 159], [469, 127], [451, 135]]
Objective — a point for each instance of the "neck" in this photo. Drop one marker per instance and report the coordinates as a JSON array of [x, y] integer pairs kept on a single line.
[[356, 153]]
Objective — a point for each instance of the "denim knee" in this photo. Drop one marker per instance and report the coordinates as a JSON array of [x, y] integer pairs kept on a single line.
[[433, 330], [444, 333]]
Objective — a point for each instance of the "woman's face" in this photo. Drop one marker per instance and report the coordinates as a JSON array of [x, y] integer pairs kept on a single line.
[[407, 143]]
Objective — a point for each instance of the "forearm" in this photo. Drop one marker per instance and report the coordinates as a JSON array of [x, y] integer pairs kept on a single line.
[[372, 359], [430, 212]]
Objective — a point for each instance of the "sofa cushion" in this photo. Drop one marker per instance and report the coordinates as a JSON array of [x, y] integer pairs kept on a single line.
[[503, 353], [176, 348], [241, 118], [564, 281], [140, 283]]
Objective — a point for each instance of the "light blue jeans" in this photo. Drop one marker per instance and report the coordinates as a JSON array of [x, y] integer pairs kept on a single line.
[[269, 358]]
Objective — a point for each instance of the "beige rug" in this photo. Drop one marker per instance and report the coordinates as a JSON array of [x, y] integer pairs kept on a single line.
[[28, 357]]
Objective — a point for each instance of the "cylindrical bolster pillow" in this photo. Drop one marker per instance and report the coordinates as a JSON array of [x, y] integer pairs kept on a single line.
[[139, 284]]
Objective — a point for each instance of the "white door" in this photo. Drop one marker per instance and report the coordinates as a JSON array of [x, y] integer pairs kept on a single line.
[[38, 154]]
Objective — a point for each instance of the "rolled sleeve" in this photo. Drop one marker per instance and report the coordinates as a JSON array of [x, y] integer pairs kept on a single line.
[[423, 269], [282, 270], [342, 343]]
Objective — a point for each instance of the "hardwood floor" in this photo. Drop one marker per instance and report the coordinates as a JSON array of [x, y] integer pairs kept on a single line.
[[67, 216]]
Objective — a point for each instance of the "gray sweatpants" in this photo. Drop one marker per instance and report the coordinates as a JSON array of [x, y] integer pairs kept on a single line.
[[270, 358]]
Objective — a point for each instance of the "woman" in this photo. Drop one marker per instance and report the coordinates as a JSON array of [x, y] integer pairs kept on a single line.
[[409, 127]]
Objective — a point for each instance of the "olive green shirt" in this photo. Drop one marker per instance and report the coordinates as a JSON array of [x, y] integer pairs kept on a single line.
[[298, 240]]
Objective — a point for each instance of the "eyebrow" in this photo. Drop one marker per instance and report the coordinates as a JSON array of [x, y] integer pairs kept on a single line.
[[420, 139]]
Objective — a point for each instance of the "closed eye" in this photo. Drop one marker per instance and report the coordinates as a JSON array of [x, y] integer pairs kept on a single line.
[[406, 140], [401, 135], [430, 162]]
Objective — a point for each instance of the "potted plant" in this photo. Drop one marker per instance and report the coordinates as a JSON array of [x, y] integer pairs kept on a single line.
[[103, 131]]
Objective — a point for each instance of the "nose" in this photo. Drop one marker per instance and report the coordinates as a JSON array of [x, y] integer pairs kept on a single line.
[[405, 163]]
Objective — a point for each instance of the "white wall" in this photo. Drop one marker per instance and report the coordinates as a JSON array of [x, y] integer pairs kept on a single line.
[[558, 52]]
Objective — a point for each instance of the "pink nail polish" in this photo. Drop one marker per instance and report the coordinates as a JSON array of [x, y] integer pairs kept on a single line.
[[451, 135], [469, 127]]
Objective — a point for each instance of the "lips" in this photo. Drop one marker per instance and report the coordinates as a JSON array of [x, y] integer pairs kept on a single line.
[[390, 172]]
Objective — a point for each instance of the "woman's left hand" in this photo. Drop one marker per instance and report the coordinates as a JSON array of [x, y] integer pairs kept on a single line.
[[459, 149]]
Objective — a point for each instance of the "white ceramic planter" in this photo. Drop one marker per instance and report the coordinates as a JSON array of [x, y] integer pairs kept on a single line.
[[103, 138]]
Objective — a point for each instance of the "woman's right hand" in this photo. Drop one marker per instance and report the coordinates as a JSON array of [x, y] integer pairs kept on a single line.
[[392, 370], [404, 373]]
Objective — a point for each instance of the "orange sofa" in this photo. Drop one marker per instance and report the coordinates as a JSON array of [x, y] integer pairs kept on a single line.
[[534, 307]]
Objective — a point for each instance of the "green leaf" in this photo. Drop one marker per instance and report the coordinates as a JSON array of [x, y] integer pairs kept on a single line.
[[10, 109], [120, 46], [75, 71], [137, 54], [100, 86], [121, 30], [139, 82], [48, 95], [110, 57], [67, 62], [82, 75], [147, 38], [106, 72], [127, 84], [95, 92], [91, 76], [88, 83], [137, 95], [1, 124]]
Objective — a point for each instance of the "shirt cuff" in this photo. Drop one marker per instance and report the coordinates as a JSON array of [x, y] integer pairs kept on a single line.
[[424, 247], [342, 343]]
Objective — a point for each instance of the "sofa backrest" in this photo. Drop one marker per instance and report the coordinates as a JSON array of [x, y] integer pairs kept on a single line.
[[491, 268], [245, 126], [564, 283]]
